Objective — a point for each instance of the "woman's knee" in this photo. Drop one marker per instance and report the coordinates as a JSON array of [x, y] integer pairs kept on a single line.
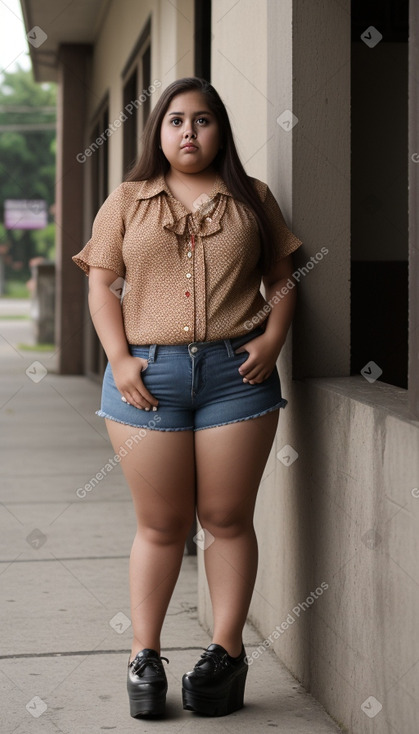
[[225, 524], [164, 531]]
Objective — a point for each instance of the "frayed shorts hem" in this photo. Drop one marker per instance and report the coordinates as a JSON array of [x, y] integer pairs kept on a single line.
[[101, 414], [281, 404]]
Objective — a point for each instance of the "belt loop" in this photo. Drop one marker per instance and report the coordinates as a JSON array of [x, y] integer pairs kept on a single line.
[[152, 352], [229, 347]]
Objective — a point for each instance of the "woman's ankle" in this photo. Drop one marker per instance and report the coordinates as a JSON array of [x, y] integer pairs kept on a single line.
[[138, 646], [232, 647]]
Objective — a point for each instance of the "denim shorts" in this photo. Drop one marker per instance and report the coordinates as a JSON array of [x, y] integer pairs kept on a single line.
[[198, 386]]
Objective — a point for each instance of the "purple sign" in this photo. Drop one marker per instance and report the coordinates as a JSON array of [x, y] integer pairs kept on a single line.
[[25, 214]]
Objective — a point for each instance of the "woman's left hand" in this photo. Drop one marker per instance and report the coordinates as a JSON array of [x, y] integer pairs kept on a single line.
[[261, 360]]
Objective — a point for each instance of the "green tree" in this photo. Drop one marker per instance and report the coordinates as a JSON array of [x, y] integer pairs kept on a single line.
[[27, 162]]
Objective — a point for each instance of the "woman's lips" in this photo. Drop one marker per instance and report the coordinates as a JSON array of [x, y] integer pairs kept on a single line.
[[189, 146]]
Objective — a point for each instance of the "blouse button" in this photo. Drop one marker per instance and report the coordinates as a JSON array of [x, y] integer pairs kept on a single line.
[[208, 219], [189, 254], [188, 275], [186, 328]]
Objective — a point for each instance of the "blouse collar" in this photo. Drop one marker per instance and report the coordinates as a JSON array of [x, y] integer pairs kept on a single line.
[[154, 186], [207, 218]]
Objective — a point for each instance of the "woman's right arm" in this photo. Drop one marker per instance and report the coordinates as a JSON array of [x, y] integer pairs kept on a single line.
[[105, 310]]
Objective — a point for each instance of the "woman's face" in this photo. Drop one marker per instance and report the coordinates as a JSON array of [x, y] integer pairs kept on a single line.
[[189, 133]]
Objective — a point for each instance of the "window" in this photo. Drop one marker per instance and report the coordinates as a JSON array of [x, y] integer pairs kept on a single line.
[[136, 79], [131, 123], [146, 74], [100, 158], [379, 189], [202, 51]]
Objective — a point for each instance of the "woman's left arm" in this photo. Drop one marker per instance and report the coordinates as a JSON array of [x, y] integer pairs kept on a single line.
[[264, 350]]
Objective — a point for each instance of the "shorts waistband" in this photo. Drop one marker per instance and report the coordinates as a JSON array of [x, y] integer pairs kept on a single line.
[[193, 348]]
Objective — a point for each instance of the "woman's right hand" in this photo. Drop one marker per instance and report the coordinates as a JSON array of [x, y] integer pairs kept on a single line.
[[127, 375]]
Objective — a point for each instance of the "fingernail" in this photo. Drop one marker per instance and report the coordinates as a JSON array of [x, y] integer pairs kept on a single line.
[[154, 407], [146, 408]]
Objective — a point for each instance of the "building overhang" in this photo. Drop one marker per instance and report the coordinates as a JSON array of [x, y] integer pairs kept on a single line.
[[62, 22]]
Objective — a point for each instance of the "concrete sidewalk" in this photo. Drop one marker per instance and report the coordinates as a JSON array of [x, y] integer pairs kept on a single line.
[[64, 605]]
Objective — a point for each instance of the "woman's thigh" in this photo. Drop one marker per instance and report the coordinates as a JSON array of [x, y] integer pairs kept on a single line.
[[159, 469], [230, 461]]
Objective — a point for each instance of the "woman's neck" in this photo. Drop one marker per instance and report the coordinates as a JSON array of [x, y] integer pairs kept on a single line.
[[202, 179]]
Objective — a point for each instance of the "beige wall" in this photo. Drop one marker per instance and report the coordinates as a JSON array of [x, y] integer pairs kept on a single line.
[[241, 77]]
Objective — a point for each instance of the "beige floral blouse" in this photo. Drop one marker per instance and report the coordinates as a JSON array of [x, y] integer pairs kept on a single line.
[[184, 276]]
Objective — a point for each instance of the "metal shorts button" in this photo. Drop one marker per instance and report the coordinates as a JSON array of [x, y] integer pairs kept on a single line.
[[194, 350]]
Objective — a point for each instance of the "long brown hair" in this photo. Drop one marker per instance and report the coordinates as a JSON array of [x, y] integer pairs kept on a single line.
[[153, 162]]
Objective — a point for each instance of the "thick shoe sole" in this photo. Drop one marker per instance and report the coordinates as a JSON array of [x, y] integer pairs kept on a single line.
[[211, 706], [147, 707]]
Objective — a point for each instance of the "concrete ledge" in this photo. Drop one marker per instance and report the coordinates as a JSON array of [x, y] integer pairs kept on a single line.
[[379, 395]]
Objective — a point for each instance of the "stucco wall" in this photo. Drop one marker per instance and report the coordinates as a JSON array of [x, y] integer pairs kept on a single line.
[[239, 73]]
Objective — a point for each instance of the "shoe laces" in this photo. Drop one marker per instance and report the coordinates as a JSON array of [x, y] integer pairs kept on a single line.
[[217, 660], [139, 665]]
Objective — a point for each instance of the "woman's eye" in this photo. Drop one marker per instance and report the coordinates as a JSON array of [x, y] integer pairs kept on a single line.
[[176, 121]]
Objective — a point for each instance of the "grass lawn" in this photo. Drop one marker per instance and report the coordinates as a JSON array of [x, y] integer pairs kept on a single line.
[[15, 289]]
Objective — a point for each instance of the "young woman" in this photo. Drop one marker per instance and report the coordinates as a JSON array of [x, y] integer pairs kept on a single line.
[[192, 353]]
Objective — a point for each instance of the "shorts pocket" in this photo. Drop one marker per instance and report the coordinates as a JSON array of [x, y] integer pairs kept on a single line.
[[241, 357], [143, 353]]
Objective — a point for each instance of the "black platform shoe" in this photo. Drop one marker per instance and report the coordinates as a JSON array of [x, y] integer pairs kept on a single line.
[[215, 687], [147, 684]]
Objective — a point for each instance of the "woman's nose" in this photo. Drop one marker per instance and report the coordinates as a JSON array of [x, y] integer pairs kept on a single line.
[[189, 133]]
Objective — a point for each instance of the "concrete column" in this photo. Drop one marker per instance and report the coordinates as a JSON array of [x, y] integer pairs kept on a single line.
[[308, 159], [321, 199], [71, 121]]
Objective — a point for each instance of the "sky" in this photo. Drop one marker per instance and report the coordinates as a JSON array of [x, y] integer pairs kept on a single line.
[[13, 43]]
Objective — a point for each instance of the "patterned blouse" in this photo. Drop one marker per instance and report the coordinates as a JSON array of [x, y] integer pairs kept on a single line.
[[184, 276]]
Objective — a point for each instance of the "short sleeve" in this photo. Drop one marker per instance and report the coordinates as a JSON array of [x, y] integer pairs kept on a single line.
[[104, 249], [285, 242]]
